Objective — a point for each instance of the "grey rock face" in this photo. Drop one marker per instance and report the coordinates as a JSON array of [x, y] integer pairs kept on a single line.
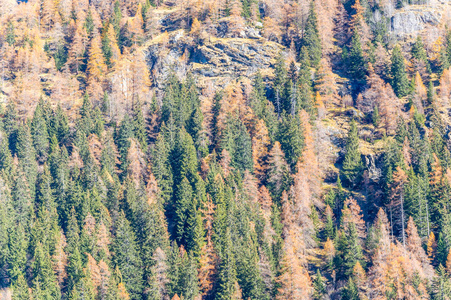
[[217, 60], [412, 20]]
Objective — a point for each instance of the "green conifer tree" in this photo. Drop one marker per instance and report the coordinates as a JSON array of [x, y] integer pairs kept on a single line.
[[350, 292], [311, 39], [291, 138], [39, 132], [319, 286], [226, 271], [139, 125], [355, 59], [43, 274], [27, 157], [400, 82], [352, 165], [20, 289], [127, 257]]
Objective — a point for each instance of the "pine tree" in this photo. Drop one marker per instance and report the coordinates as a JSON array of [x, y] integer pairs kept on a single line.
[[96, 67], [23, 200], [189, 281], [352, 164], [400, 82], [311, 39]]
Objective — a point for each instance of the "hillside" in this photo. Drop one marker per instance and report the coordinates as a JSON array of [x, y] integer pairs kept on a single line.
[[239, 149]]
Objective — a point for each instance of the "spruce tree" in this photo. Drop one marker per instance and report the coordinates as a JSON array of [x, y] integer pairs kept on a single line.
[[127, 257], [189, 282], [139, 125], [311, 39], [349, 251], [291, 138], [350, 292], [183, 210], [20, 289], [352, 165], [304, 85], [43, 274], [59, 125], [86, 113], [17, 251], [226, 271], [318, 286], [6, 159], [400, 82], [124, 135], [355, 58], [161, 167], [39, 132], [27, 157]]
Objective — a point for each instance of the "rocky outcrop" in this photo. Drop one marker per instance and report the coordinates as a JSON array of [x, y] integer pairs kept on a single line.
[[413, 19], [231, 57], [217, 60]]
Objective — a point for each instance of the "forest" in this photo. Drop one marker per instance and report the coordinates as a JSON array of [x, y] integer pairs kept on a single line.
[[225, 149]]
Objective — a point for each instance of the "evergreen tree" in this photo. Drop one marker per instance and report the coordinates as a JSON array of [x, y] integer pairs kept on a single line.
[[311, 39], [248, 273], [86, 113], [349, 251], [39, 132], [162, 168], [237, 141], [291, 138], [355, 58], [27, 157], [20, 289], [23, 200], [139, 125], [350, 292], [304, 86], [183, 211], [59, 125], [43, 275], [318, 286], [226, 271], [124, 135], [17, 251], [352, 165], [127, 257], [10, 34], [400, 82]]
